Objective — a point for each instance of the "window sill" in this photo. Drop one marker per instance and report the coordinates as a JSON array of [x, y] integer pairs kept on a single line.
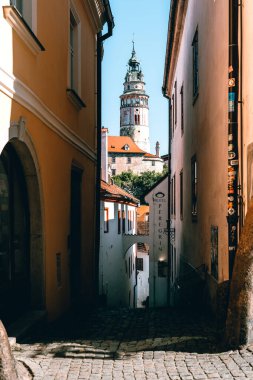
[[195, 97], [75, 99], [16, 21]]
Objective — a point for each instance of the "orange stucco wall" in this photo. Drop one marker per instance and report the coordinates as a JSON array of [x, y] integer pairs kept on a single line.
[[44, 104]]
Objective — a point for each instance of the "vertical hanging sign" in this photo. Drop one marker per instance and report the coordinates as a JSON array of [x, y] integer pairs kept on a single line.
[[232, 200]]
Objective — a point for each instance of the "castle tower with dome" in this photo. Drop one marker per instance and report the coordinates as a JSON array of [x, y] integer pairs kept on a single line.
[[134, 105]]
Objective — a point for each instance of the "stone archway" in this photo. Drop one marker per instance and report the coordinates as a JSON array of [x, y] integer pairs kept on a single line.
[[239, 326], [21, 144], [36, 227]]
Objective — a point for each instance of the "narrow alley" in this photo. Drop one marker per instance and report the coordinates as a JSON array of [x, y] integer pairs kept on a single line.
[[132, 344]]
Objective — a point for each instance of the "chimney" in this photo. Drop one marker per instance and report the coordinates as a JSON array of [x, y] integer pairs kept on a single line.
[[104, 154], [157, 149]]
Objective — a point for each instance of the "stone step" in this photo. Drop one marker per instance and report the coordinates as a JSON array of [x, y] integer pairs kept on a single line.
[[23, 326]]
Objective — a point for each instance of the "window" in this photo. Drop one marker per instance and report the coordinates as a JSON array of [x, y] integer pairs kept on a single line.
[[123, 221], [173, 197], [173, 115], [137, 119], [119, 222], [73, 52], [170, 121], [139, 263], [181, 194], [113, 171], [175, 108], [25, 9], [195, 57], [182, 109], [22, 17], [106, 220], [194, 183], [74, 82], [129, 160], [113, 160]]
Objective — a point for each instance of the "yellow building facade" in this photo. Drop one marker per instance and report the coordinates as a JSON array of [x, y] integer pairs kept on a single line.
[[48, 135]]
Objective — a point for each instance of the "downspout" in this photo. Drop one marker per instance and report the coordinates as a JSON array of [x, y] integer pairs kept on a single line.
[[100, 38], [169, 179], [233, 157]]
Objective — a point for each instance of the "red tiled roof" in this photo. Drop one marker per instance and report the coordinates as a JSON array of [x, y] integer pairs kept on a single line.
[[114, 192], [150, 155], [117, 144]]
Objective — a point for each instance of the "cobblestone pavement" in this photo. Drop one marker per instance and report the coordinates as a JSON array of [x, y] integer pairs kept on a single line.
[[132, 344]]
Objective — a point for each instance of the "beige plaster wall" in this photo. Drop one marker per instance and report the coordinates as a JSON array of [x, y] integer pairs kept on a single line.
[[205, 134]]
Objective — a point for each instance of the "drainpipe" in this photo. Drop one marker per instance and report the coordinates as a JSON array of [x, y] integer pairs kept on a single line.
[[233, 158], [169, 179], [100, 38]]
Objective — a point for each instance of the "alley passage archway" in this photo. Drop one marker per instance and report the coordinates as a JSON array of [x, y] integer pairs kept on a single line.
[[21, 248], [136, 256]]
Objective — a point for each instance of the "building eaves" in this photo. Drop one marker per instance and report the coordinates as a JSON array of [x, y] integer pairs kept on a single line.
[[112, 192], [178, 10], [96, 9]]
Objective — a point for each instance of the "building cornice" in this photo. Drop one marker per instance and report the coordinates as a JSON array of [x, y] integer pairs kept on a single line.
[[178, 10], [18, 91], [96, 10]]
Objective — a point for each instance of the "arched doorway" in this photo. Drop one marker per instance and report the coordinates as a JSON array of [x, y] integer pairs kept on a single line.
[[21, 262]]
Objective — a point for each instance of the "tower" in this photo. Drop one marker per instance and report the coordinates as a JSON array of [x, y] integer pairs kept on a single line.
[[134, 105]]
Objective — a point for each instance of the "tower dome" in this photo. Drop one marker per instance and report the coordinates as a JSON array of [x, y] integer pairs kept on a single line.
[[134, 105]]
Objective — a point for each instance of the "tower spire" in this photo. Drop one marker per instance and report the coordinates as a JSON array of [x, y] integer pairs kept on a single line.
[[133, 51], [134, 105]]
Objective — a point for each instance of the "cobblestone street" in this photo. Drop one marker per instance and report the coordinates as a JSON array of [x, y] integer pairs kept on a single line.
[[132, 344]]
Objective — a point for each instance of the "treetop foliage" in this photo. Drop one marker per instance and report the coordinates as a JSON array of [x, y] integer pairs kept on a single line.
[[138, 184]]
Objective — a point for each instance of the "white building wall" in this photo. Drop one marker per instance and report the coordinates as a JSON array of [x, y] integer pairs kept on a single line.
[[143, 280], [116, 267], [138, 164], [158, 254]]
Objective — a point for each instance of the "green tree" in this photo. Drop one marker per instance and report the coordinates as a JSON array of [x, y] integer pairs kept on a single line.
[[138, 185]]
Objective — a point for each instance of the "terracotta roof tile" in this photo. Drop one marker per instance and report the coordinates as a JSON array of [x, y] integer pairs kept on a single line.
[[117, 144], [150, 155], [111, 191]]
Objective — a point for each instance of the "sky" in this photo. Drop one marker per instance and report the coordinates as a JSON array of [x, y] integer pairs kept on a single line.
[[147, 20]]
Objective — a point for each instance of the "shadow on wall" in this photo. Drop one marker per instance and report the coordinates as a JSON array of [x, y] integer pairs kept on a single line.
[[239, 325]]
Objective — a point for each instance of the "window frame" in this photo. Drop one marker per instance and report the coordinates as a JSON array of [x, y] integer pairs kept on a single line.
[[173, 197], [194, 188], [74, 79], [181, 194], [173, 114], [106, 219], [175, 107], [25, 31], [182, 109], [123, 221], [195, 65], [119, 222]]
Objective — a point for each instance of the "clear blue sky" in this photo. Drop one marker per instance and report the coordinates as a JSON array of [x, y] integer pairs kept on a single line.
[[148, 20]]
